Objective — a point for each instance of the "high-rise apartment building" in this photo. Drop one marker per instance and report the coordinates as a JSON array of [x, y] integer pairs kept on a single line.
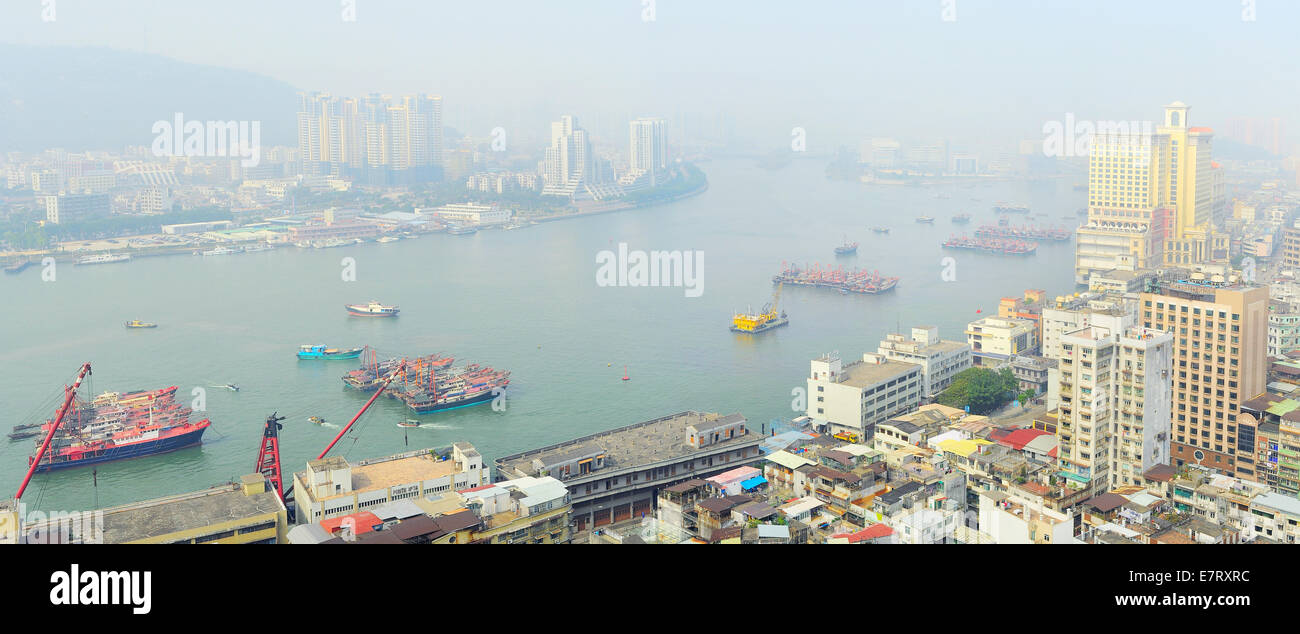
[[376, 137], [1151, 198], [1220, 329], [568, 164], [1114, 409], [647, 151]]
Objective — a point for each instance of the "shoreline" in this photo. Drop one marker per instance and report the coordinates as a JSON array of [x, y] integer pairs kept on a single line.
[[35, 257]]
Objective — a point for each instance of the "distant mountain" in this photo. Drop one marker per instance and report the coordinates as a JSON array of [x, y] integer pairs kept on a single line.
[[83, 98]]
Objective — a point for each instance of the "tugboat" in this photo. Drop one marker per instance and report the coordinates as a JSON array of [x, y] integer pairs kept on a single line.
[[847, 248], [136, 323], [372, 309], [319, 351]]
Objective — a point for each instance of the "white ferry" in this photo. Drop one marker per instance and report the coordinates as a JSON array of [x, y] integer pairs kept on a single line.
[[106, 258]]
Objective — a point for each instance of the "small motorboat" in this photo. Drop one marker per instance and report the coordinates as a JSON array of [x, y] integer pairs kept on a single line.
[[410, 422], [232, 387], [316, 420]]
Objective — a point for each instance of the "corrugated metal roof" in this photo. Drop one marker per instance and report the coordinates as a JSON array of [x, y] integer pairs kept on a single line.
[[789, 460]]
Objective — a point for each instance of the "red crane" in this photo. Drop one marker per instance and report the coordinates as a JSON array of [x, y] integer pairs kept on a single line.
[[400, 369], [69, 393], [268, 457]]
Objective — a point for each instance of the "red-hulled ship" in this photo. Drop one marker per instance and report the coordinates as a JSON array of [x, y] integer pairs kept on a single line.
[[431, 383], [992, 245], [847, 281], [117, 426], [1023, 233]]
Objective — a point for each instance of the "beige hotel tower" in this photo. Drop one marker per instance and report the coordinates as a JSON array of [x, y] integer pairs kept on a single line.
[[1150, 198]]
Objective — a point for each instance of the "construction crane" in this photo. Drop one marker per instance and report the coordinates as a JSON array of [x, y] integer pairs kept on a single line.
[[767, 319], [268, 459], [68, 394]]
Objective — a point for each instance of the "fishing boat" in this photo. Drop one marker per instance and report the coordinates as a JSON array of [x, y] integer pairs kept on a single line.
[[847, 248], [136, 323], [371, 309], [320, 351], [120, 425], [317, 420], [925, 219]]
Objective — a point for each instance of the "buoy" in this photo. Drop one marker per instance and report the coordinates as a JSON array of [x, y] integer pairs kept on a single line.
[[625, 376], [608, 364]]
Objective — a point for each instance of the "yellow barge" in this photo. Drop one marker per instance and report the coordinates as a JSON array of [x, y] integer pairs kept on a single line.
[[765, 320]]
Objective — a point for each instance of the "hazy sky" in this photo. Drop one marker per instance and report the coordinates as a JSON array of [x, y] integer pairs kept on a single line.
[[842, 70]]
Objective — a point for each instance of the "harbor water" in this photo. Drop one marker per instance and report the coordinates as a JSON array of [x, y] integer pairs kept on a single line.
[[524, 300]]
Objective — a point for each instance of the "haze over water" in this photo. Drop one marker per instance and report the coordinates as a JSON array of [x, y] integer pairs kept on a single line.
[[526, 301]]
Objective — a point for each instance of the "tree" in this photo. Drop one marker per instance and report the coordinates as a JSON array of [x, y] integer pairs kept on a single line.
[[981, 389]]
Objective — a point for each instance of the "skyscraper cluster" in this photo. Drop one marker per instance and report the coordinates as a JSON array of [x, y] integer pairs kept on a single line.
[[378, 139]]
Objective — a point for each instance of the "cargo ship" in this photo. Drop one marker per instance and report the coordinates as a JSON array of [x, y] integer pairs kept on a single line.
[[1009, 208], [1023, 233], [117, 426], [767, 319], [992, 245], [852, 280], [847, 248], [372, 309], [105, 259], [320, 351]]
